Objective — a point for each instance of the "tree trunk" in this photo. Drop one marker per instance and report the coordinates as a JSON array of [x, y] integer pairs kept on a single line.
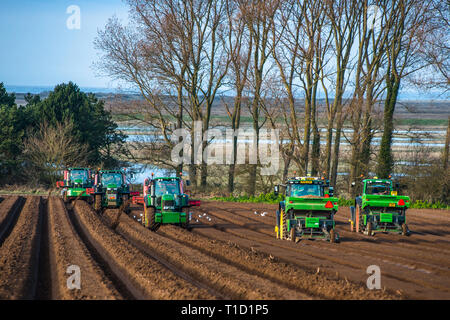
[[337, 143], [385, 160], [446, 185], [315, 152]]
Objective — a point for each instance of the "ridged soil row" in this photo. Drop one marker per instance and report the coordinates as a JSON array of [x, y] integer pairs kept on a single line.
[[331, 258], [9, 211], [377, 247], [19, 254], [254, 261], [138, 271], [66, 249], [232, 282]]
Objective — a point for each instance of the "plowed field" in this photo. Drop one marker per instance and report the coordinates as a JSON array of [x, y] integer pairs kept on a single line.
[[229, 252]]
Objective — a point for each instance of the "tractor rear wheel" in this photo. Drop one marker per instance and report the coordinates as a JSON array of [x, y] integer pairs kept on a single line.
[[357, 218], [283, 225], [98, 202], [149, 218], [332, 236], [352, 220], [293, 236], [405, 231], [185, 225], [125, 204], [369, 228]]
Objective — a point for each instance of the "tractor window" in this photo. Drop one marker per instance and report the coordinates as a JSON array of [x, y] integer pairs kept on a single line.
[[166, 187], [378, 189], [301, 190], [112, 178], [77, 175]]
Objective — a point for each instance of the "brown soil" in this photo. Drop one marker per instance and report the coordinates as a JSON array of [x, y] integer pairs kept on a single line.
[[66, 249], [139, 271], [229, 252], [19, 254], [226, 279], [415, 266]]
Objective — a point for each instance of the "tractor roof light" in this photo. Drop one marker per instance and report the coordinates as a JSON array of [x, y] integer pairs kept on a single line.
[[329, 205]]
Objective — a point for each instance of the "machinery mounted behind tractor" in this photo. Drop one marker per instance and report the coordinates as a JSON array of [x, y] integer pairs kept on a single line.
[[307, 211], [77, 183], [111, 189], [165, 202], [379, 208]]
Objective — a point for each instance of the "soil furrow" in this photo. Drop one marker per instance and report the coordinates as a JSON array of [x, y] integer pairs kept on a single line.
[[436, 262], [387, 254], [67, 249], [19, 254], [9, 213], [234, 283], [397, 276], [141, 272], [265, 265]]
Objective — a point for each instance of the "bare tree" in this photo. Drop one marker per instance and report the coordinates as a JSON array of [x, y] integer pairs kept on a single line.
[[407, 20], [299, 49], [51, 149], [239, 46], [259, 17], [344, 17]]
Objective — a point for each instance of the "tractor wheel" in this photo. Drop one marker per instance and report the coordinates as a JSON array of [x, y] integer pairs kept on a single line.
[[126, 204], [283, 225], [149, 218], [332, 236], [352, 222], [369, 228], [357, 218], [405, 230], [98, 202], [185, 225], [293, 236]]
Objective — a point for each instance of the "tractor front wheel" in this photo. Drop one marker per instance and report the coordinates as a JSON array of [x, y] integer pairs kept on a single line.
[[149, 218], [98, 202], [185, 225]]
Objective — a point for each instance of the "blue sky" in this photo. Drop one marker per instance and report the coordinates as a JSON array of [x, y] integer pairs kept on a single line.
[[38, 49]]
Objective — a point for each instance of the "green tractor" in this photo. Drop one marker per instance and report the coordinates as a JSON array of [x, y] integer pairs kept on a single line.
[[307, 211], [77, 183], [166, 203], [379, 208], [111, 189]]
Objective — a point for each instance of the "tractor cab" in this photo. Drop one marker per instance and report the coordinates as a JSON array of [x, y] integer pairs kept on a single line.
[[165, 202], [307, 211], [379, 208], [111, 189], [77, 183]]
